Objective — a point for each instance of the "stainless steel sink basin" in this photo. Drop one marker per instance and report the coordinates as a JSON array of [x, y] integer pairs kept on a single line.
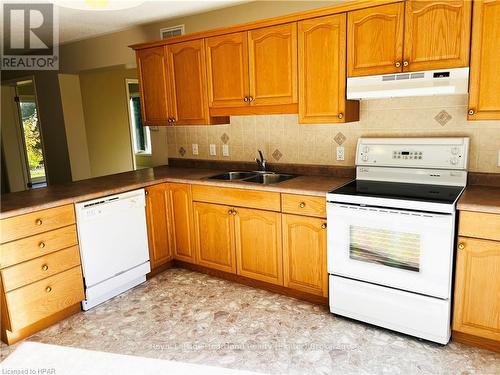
[[269, 178], [233, 175]]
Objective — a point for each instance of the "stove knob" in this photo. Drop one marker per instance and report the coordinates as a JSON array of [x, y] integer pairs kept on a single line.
[[365, 157], [453, 161], [455, 150], [366, 149]]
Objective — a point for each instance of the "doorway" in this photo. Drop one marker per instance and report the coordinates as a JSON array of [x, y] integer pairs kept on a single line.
[[31, 134]]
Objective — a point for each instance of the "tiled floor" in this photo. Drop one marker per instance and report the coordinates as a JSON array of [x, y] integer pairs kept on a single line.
[[186, 316]]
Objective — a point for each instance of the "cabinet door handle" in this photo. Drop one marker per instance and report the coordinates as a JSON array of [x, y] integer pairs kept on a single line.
[[471, 112], [405, 63], [45, 267], [250, 98], [48, 289], [397, 64], [234, 212], [246, 99], [302, 204], [230, 212], [323, 226], [340, 115], [461, 246]]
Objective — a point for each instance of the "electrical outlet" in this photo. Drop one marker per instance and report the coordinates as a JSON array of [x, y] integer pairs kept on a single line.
[[213, 149], [225, 150], [195, 148], [340, 153]]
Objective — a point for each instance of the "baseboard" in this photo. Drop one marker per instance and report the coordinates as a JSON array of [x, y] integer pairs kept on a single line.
[[318, 300], [477, 341], [159, 269]]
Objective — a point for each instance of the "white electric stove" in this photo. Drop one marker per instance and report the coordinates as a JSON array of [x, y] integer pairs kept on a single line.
[[391, 234]]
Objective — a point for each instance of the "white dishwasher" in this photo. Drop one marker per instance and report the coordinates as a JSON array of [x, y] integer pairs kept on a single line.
[[114, 249]]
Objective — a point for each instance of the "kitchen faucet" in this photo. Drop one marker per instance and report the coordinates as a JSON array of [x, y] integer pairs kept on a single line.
[[262, 163]]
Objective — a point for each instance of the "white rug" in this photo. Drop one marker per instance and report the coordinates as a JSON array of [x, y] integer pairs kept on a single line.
[[36, 358]]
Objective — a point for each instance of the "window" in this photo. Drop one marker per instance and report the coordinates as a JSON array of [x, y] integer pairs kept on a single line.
[[140, 134]]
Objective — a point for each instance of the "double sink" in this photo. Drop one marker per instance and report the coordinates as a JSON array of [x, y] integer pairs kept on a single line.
[[258, 177]]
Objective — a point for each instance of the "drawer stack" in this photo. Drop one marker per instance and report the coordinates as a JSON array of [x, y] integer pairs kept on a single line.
[[41, 277]]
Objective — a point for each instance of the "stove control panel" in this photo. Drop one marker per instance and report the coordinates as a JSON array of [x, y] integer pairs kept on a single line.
[[445, 153]]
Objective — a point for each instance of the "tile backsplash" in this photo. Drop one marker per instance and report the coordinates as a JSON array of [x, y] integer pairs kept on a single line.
[[284, 140]]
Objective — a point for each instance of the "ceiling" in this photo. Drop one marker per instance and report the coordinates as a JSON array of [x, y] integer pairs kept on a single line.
[[76, 24]]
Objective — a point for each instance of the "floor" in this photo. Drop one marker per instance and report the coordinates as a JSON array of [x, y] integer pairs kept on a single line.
[[186, 316]]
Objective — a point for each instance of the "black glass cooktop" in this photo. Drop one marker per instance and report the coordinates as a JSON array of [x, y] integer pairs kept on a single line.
[[404, 191]]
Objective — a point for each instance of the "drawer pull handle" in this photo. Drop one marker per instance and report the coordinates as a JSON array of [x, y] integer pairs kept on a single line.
[[45, 267], [323, 226], [38, 222], [48, 289], [461, 246], [41, 245], [302, 204]]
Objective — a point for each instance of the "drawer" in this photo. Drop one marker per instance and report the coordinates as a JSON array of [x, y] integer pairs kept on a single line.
[[26, 225], [35, 246], [43, 298], [265, 200], [479, 225], [37, 269], [303, 205]]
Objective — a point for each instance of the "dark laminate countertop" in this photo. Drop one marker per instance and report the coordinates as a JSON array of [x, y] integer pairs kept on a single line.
[[37, 199], [480, 198]]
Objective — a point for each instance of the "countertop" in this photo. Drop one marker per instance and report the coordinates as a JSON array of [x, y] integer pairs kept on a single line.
[[480, 198], [38, 199]]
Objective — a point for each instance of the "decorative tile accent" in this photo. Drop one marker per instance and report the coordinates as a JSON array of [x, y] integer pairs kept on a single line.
[[277, 155], [182, 151], [443, 117], [340, 138], [224, 138]]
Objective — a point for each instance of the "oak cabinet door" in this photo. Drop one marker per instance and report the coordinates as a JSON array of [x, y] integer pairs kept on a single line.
[[304, 254], [375, 40], [322, 71], [214, 236], [258, 245], [187, 82], [477, 288], [484, 98], [157, 217], [273, 64], [437, 34], [152, 71], [181, 207], [227, 68]]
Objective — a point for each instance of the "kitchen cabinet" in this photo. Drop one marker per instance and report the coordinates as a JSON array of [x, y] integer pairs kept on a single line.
[[409, 36], [181, 208], [476, 317], [214, 236], [322, 71], [484, 101], [260, 67], [152, 72], [304, 254], [157, 217], [258, 244]]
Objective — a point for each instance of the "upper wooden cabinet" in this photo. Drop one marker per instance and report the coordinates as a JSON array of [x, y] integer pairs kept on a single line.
[[484, 98], [253, 72], [409, 36], [152, 71], [227, 68], [375, 40], [322, 71]]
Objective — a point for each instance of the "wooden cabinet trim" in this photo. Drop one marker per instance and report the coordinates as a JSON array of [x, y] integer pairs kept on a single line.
[[303, 205], [182, 230], [479, 225]]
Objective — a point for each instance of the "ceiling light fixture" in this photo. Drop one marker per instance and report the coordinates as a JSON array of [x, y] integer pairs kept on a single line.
[[98, 4]]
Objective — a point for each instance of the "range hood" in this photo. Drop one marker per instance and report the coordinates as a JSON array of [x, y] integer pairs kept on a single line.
[[426, 83]]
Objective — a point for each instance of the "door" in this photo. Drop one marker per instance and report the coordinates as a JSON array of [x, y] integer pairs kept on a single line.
[[477, 288], [437, 34], [214, 236], [227, 70], [484, 101], [322, 70], [258, 245], [157, 218], [375, 40], [187, 83], [304, 254], [152, 70], [181, 208], [401, 249], [273, 64]]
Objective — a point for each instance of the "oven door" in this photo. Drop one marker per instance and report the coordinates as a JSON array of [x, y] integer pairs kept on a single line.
[[401, 249]]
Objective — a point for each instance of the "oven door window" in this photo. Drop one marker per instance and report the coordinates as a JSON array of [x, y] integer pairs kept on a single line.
[[389, 248]]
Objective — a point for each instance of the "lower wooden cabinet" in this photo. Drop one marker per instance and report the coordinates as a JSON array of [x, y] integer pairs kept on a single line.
[[304, 254], [477, 289], [157, 216], [181, 219], [214, 236], [258, 244]]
